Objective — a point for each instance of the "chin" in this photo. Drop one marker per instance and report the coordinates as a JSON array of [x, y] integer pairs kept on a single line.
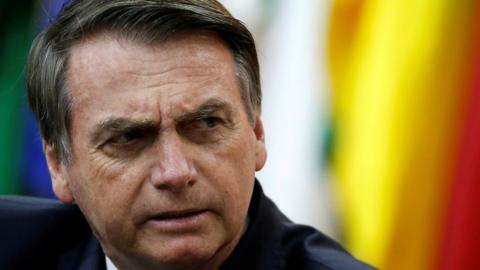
[[186, 254]]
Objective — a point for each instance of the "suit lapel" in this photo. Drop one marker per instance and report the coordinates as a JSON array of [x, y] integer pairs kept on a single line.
[[87, 255]]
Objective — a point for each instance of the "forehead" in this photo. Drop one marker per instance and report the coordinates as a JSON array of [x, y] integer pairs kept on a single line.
[[115, 74], [118, 49]]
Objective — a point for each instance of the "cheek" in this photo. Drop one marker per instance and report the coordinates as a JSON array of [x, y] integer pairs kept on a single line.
[[237, 194], [105, 191], [229, 171]]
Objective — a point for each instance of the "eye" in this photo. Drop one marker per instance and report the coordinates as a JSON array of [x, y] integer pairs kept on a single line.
[[128, 144], [126, 137], [205, 129], [208, 122]]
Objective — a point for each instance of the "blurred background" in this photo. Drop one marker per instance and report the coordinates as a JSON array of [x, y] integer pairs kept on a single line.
[[372, 117]]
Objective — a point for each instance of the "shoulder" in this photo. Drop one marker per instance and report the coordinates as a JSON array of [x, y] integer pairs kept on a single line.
[[304, 247], [21, 212], [21, 204], [301, 246], [272, 241], [37, 228]]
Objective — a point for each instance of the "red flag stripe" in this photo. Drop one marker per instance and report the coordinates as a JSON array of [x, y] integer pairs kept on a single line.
[[460, 249]]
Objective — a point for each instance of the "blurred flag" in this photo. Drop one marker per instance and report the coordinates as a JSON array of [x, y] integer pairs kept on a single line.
[[15, 37], [22, 163], [400, 75], [35, 179], [461, 235]]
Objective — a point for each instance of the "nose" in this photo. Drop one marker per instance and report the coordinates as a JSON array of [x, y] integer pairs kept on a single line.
[[173, 170]]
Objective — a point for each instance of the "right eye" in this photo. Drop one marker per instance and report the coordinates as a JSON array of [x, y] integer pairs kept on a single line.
[[128, 144], [125, 138]]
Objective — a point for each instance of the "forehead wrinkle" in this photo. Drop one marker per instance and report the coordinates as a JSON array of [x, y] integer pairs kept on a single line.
[[188, 70], [192, 97], [199, 75], [157, 62]]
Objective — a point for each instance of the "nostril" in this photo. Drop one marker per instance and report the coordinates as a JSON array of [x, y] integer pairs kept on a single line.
[[174, 186]]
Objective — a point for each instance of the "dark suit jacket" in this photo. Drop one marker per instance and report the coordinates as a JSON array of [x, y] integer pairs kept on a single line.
[[46, 234]]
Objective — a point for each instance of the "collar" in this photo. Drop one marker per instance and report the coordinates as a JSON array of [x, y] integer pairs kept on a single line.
[[259, 246], [109, 263]]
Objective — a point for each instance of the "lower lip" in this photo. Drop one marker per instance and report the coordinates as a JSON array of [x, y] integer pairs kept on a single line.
[[180, 224]]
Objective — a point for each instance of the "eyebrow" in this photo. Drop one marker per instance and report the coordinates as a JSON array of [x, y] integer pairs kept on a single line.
[[122, 124], [206, 109]]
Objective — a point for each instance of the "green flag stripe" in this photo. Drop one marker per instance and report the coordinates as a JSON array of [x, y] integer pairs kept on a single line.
[[15, 38]]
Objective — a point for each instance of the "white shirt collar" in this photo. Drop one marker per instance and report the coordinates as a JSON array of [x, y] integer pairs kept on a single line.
[[110, 265]]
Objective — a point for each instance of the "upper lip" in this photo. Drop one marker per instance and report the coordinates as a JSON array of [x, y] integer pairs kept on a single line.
[[177, 213]]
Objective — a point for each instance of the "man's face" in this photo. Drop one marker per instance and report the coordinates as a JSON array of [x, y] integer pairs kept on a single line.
[[164, 156]]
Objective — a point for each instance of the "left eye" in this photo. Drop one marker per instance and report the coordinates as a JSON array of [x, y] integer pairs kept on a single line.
[[208, 122], [201, 130]]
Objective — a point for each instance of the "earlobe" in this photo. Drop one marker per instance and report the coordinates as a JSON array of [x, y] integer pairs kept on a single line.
[[260, 149], [58, 175]]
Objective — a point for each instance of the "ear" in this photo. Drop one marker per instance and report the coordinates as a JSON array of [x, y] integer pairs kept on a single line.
[[58, 174], [260, 149]]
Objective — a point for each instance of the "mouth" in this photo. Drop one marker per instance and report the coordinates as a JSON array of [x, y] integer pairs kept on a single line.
[[178, 214], [179, 221]]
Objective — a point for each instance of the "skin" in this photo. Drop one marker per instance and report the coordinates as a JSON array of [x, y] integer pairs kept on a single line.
[[159, 132]]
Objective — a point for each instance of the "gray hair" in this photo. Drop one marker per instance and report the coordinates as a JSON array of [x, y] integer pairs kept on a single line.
[[146, 21]]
